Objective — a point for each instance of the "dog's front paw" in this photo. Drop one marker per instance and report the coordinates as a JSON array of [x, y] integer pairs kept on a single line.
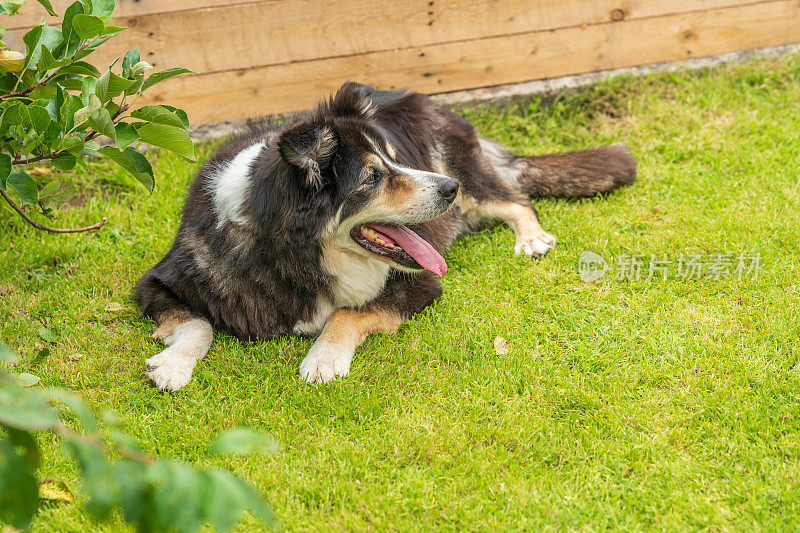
[[324, 362], [170, 371], [535, 246]]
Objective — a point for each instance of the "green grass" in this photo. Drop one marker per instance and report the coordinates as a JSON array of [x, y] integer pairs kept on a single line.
[[625, 404]]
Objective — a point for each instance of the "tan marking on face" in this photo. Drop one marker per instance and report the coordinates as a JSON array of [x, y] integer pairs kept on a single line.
[[398, 191], [166, 323], [391, 151], [348, 327], [374, 161]]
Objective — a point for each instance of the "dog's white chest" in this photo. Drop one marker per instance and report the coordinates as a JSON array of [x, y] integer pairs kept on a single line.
[[357, 280]]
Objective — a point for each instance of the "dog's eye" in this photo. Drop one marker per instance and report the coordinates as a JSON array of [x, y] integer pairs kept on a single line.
[[372, 176]]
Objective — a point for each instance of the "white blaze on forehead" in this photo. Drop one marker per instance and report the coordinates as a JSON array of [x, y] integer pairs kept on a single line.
[[423, 177], [230, 184]]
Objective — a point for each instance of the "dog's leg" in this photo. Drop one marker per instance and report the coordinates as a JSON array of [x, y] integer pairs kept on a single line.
[[531, 238], [188, 340], [345, 330]]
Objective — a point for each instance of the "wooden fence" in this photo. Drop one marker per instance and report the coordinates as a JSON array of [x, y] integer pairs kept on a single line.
[[270, 56]]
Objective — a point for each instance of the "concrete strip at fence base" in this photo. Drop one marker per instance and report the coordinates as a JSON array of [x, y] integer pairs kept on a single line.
[[537, 87]]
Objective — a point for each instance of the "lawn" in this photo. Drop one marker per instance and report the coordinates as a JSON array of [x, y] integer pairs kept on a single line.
[[624, 403]]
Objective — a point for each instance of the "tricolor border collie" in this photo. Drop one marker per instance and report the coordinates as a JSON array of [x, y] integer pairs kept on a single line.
[[333, 225]]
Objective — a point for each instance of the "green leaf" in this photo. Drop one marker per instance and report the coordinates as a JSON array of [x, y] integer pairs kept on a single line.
[[181, 115], [87, 26], [40, 357], [92, 46], [71, 37], [169, 137], [58, 196], [138, 81], [47, 335], [43, 34], [25, 409], [70, 83], [96, 477], [19, 493], [158, 114], [72, 144], [28, 380], [75, 404], [10, 7], [48, 62], [130, 59], [243, 441], [126, 134], [102, 8], [40, 118], [132, 161], [56, 101], [64, 162], [130, 475], [23, 185], [48, 6], [93, 104], [176, 496], [109, 30], [80, 67], [110, 85], [49, 189], [101, 122], [24, 440], [6, 354], [43, 92], [88, 89], [5, 170], [224, 497], [72, 104], [158, 77]]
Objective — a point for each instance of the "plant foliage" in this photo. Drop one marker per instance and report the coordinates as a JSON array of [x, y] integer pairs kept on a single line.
[[153, 495], [55, 106]]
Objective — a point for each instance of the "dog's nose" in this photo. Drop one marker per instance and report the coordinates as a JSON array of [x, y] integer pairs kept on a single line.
[[448, 189]]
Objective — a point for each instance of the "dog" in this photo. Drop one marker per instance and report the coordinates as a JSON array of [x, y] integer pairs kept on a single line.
[[333, 225]]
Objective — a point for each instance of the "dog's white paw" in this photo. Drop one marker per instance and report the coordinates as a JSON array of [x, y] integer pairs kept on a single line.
[[535, 246], [325, 361], [170, 370]]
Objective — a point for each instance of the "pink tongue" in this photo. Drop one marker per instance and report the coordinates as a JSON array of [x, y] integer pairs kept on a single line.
[[417, 247]]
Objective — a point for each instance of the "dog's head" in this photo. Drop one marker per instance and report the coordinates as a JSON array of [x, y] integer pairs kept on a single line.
[[353, 189]]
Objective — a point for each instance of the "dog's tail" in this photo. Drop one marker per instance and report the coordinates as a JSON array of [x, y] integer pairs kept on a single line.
[[568, 174]]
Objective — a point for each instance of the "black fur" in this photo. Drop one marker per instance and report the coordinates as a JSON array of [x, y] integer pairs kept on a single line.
[[260, 278]]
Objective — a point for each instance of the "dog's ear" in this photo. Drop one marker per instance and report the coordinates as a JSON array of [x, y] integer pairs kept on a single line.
[[309, 146], [353, 99]]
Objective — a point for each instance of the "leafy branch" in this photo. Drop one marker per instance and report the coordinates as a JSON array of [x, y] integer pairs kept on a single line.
[[152, 494], [53, 105], [29, 220]]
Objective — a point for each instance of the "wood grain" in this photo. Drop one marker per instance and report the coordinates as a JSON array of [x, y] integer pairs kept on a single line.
[[484, 62], [31, 13], [248, 35]]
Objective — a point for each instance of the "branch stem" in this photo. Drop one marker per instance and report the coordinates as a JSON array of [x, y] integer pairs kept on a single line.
[[36, 225]]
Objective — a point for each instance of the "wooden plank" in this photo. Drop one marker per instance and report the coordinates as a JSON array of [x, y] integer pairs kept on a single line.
[[484, 62], [31, 13], [270, 33]]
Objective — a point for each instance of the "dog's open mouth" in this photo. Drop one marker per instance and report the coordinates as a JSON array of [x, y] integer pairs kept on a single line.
[[400, 245]]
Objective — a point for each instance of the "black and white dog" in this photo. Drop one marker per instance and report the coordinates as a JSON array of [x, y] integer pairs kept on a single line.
[[334, 224]]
